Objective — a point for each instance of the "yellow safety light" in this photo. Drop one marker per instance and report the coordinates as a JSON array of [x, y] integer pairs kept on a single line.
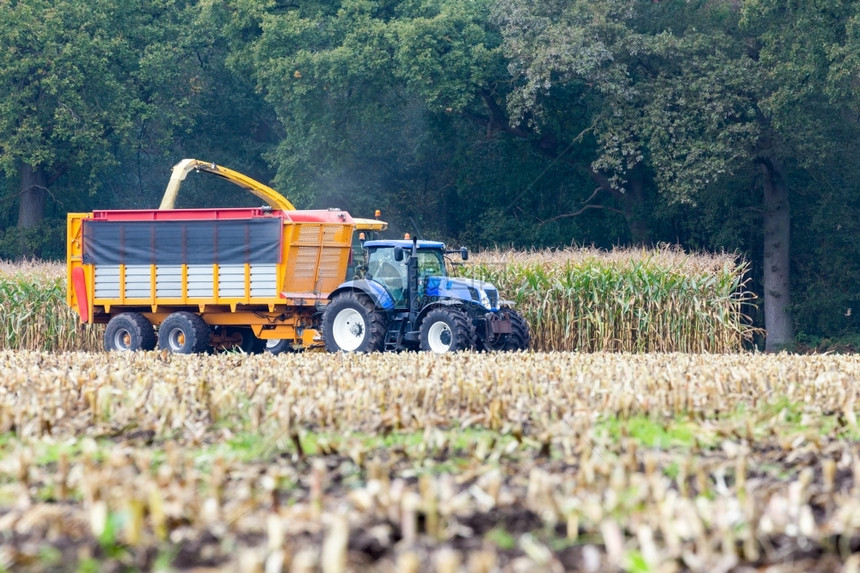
[[406, 236], [361, 237], [377, 213]]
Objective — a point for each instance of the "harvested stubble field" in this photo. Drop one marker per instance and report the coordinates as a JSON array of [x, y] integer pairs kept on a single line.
[[416, 462]]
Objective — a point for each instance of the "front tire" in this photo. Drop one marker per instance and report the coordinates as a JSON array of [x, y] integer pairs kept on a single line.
[[129, 331], [184, 333], [447, 330], [352, 323]]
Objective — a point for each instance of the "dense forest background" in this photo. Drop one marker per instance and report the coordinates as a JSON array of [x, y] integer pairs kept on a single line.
[[722, 125]]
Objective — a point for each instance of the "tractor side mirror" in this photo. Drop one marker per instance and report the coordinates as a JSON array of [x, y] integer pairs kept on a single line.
[[398, 254], [464, 253]]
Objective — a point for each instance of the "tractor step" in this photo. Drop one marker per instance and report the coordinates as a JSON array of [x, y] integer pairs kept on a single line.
[[394, 336]]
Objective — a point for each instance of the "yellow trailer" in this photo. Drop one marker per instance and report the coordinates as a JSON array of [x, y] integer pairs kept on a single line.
[[226, 277]]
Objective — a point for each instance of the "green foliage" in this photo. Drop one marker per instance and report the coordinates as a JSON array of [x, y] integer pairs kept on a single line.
[[352, 84], [667, 87], [16, 243], [501, 538]]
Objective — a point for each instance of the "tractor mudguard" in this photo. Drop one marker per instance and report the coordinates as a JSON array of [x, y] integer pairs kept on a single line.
[[439, 304], [377, 293]]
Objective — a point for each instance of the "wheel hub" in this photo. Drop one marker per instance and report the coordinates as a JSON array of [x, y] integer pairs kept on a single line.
[[177, 339], [122, 340], [440, 337], [348, 329]]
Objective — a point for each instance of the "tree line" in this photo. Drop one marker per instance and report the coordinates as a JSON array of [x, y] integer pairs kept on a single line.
[[712, 124]]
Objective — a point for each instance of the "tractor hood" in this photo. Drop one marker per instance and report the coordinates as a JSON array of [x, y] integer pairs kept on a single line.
[[467, 290]]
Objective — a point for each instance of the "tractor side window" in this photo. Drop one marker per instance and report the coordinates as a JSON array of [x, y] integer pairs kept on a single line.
[[429, 264]]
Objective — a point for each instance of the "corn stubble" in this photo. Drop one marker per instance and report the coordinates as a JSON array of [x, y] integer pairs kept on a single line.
[[414, 462]]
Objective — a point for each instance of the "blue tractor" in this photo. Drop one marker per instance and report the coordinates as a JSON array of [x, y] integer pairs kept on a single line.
[[403, 298]]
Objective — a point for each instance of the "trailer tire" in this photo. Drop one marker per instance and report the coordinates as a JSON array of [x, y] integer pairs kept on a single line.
[[447, 330], [518, 339], [250, 344], [352, 323], [279, 345], [184, 333], [129, 331]]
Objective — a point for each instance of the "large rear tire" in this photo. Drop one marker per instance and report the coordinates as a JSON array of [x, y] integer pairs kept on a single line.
[[129, 331], [352, 323], [518, 339], [184, 333], [447, 330]]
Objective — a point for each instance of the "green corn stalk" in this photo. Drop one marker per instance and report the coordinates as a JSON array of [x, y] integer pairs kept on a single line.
[[639, 301], [34, 314]]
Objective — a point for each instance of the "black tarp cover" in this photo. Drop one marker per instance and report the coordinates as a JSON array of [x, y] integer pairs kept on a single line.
[[224, 242]]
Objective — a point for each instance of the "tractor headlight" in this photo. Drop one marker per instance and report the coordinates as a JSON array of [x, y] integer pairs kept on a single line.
[[485, 300]]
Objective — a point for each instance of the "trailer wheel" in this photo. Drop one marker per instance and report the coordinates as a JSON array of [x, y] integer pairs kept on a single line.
[[249, 343], [352, 323], [184, 333], [518, 339], [279, 345], [129, 331], [447, 330]]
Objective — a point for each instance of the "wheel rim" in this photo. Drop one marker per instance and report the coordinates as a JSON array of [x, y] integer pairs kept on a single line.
[[272, 342], [122, 340], [348, 329], [439, 337], [176, 339]]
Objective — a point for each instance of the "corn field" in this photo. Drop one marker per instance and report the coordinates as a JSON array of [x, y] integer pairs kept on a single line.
[[470, 462], [625, 300], [580, 300], [33, 310]]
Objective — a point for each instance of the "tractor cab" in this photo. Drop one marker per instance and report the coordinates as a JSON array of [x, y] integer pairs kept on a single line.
[[388, 264]]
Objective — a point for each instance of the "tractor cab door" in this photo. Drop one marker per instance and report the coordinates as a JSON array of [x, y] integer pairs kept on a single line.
[[384, 269]]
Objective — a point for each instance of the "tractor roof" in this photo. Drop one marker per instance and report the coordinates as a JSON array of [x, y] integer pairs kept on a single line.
[[404, 243]]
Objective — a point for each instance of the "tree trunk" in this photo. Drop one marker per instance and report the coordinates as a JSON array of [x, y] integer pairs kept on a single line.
[[632, 201], [777, 226], [31, 206], [634, 209]]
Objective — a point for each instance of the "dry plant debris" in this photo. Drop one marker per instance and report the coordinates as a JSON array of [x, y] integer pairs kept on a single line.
[[416, 462]]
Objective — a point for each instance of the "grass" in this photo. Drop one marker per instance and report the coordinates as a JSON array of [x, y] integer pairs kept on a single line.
[[650, 433]]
